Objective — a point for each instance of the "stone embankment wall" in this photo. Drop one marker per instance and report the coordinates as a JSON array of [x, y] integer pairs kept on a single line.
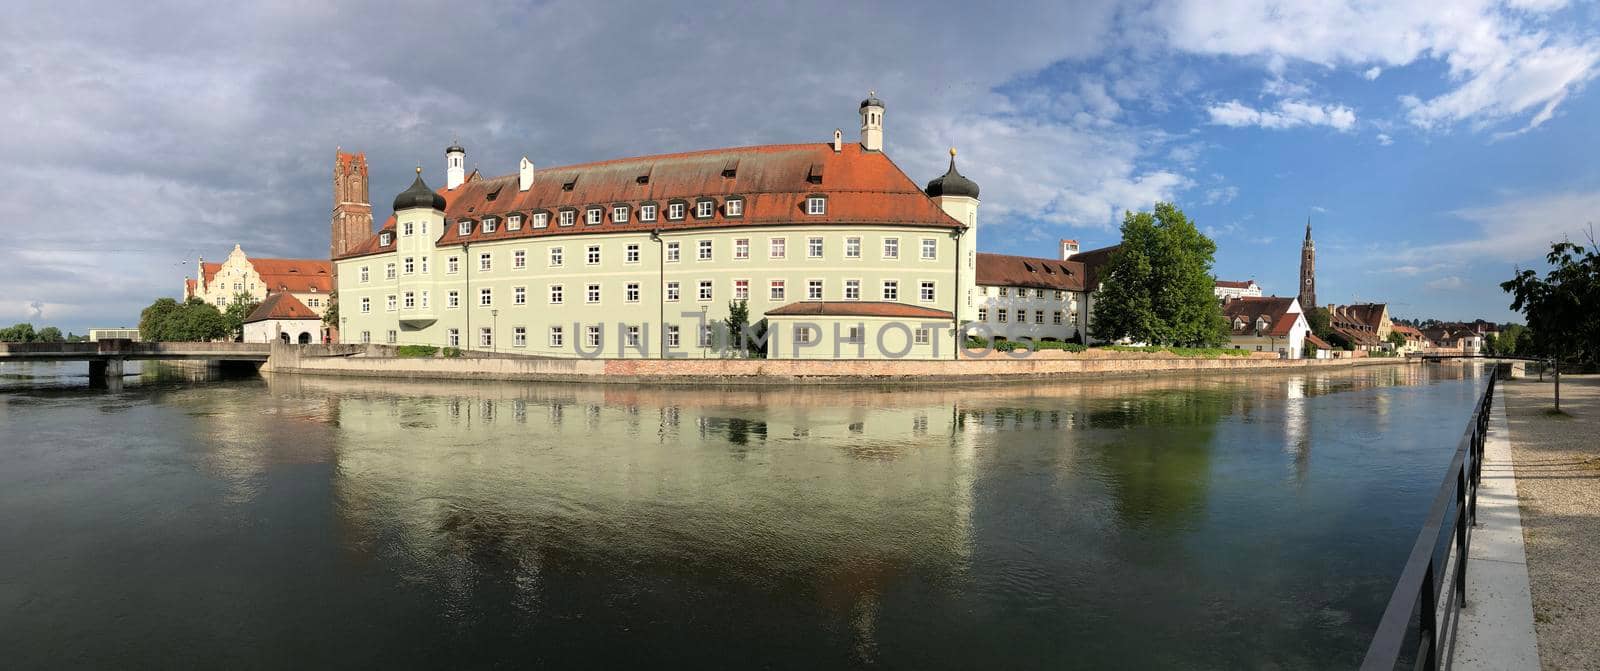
[[364, 361]]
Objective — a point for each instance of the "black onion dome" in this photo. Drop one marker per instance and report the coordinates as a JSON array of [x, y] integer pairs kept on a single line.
[[454, 148], [951, 183], [419, 195], [871, 101]]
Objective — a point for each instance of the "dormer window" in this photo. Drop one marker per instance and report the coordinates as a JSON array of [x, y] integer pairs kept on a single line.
[[1238, 324], [383, 240], [514, 222], [541, 219], [570, 184], [734, 207], [705, 208], [592, 216], [647, 212], [675, 211], [488, 224], [568, 217], [619, 214], [816, 205], [464, 228]]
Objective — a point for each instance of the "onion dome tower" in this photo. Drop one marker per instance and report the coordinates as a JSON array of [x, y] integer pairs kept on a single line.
[[418, 195]]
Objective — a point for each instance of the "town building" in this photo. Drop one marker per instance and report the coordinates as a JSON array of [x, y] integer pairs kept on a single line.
[[1024, 297], [1415, 340], [639, 257], [1226, 289], [1267, 324], [309, 280], [1363, 326], [1319, 348], [116, 333], [1454, 338], [283, 318]]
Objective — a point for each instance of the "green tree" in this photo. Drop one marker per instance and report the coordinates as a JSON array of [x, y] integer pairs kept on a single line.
[[22, 332], [735, 324], [1511, 335], [239, 309], [331, 316], [1397, 339], [1321, 325], [1491, 344], [192, 320], [153, 320], [49, 334], [1158, 285], [1560, 306]]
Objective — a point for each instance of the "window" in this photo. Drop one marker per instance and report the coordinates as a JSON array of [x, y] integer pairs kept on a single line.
[[1003, 292], [519, 295], [705, 250], [406, 229], [707, 334], [366, 305], [775, 290], [672, 335], [926, 292], [519, 258], [567, 217], [486, 296], [592, 294], [816, 205], [592, 255], [853, 335], [424, 299], [464, 227], [410, 266], [519, 336], [364, 275], [704, 209], [1056, 318], [452, 299], [390, 302], [814, 290], [802, 335], [409, 300], [922, 336], [1061, 295], [485, 261], [632, 253], [778, 247], [741, 290], [452, 265], [223, 300], [485, 337], [1001, 315], [514, 222], [557, 296], [619, 214], [672, 252], [632, 336], [592, 216], [741, 248], [891, 248], [647, 212], [930, 249], [488, 224], [383, 241], [391, 337], [555, 257], [1038, 316], [424, 228], [705, 290], [631, 292], [424, 268], [852, 290], [366, 336], [983, 314], [453, 337], [733, 208], [852, 248], [591, 336], [814, 248], [891, 290], [541, 219], [675, 211], [556, 337], [1038, 293], [388, 270], [672, 291]]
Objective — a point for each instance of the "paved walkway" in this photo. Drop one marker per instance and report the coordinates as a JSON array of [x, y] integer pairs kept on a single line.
[[1558, 479]]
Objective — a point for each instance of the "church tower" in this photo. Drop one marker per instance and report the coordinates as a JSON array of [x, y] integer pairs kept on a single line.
[[1308, 271], [352, 210]]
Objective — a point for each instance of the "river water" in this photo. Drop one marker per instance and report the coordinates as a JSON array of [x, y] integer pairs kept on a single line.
[[185, 521]]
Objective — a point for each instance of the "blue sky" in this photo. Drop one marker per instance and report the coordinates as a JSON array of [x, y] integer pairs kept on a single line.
[[1434, 145]]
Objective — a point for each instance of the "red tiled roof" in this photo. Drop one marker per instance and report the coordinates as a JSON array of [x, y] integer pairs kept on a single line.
[[188, 287], [1230, 284], [857, 309], [209, 270], [1369, 315], [862, 187], [1317, 342], [297, 275], [1276, 311], [1004, 270], [1093, 260], [280, 306]]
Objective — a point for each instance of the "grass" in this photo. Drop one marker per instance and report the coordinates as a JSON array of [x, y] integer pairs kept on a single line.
[[1200, 352], [414, 351]]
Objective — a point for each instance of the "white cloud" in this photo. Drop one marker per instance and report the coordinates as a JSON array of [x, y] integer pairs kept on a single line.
[[1319, 209], [1384, 140], [1220, 195], [1288, 114], [1502, 63], [1516, 230], [1449, 283], [1372, 73]]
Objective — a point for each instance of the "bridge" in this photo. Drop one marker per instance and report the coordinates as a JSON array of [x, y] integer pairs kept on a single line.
[[106, 357]]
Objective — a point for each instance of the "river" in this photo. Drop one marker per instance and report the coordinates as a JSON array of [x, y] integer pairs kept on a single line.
[[187, 521]]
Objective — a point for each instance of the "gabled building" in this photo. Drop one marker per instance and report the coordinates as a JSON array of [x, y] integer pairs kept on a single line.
[[283, 318], [1226, 289], [1415, 340], [1461, 338], [1026, 297], [309, 280], [1364, 326], [1267, 324]]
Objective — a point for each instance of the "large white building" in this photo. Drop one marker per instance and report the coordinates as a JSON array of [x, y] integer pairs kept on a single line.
[[831, 242]]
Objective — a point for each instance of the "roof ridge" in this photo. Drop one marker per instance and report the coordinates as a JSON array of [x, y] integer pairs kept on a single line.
[[671, 155]]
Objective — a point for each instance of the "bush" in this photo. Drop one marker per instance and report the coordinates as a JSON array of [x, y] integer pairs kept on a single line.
[[452, 352], [1200, 352], [416, 350]]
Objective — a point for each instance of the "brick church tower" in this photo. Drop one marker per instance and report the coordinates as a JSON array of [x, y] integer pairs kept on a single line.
[[352, 210], [1308, 271]]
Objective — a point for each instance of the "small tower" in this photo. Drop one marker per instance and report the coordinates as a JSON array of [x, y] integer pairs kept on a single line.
[[352, 210], [455, 166], [872, 122], [1068, 249], [958, 197], [1308, 271]]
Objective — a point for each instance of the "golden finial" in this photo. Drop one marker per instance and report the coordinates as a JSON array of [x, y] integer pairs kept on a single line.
[[419, 170], [952, 152]]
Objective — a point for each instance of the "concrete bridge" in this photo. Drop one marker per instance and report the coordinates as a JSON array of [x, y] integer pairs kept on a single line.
[[106, 357]]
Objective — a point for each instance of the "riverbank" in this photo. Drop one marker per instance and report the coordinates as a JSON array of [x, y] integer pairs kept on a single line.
[[1558, 479], [358, 361]]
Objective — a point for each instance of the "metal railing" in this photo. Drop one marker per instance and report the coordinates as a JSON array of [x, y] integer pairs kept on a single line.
[[1416, 597]]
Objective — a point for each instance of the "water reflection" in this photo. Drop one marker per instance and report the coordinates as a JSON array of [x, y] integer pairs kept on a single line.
[[1131, 522]]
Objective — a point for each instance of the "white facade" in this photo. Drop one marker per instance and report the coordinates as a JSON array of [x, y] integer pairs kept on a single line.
[[1014, 313], [304, 331]]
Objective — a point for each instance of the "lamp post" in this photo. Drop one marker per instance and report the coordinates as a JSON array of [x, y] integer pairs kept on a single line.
[[494, 328]]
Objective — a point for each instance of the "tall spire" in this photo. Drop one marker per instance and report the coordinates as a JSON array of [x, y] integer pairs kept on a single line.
[[1308, 229]]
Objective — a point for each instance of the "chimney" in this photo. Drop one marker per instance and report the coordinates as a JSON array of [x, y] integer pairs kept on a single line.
[[838, 140], [1068, 249], [525, 175]]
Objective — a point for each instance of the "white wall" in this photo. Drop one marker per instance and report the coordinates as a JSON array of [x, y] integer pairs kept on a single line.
[[268, 330]]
